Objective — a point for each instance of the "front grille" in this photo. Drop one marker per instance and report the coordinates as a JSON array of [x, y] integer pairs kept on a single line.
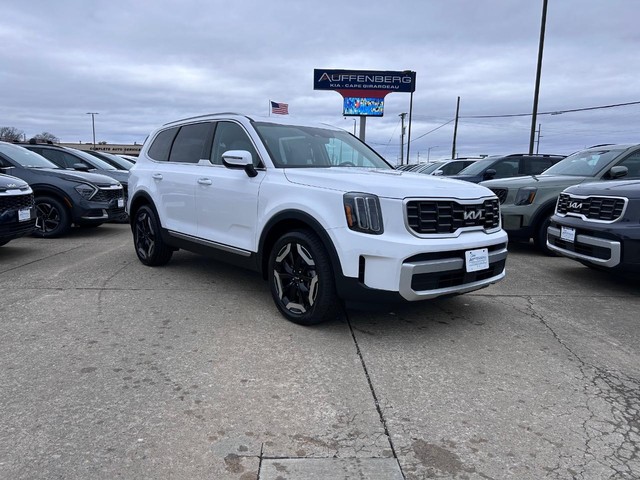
[[582, 248], [106, 195], [501, 193], [16, 202], [606, 209], [438, 280], [447, 216], [17, 229]]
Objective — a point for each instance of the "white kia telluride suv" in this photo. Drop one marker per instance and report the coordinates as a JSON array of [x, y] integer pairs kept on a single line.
[[316, 211]]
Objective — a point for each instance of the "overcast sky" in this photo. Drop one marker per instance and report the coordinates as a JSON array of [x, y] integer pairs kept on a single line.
[[140, 64]]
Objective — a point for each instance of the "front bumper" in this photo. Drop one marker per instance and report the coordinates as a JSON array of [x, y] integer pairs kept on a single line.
[[11, 227], [378, 268], [616, 248]]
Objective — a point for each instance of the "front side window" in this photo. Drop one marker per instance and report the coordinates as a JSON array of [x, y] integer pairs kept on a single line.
[[294, 146], [24, 157], [189, 143], [231, 136], [632, 162]]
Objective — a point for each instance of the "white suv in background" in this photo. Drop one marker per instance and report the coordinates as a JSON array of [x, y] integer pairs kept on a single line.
[[318, 213]]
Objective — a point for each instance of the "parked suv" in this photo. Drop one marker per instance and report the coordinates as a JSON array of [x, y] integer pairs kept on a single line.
[[528, 202], [446, 168], [507, 166], [63, 197], [598, 224], [322, 216], [17, 209]]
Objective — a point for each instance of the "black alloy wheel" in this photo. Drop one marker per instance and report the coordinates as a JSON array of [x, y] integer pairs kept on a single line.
[[301, 279], [150, 247], [52, 218]]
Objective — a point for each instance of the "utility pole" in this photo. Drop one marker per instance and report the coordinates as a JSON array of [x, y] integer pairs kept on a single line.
[[538, 72], [538, 144], [93, 126], [455, 131], [402, 115]]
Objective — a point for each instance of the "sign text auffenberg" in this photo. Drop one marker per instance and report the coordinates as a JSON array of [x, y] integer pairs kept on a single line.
[[363, 80]]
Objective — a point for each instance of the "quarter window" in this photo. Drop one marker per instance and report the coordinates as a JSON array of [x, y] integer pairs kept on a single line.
[[161, 146], [632, 162]]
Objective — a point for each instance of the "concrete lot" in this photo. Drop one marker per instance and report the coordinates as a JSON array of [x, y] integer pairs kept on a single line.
[[109, 369]]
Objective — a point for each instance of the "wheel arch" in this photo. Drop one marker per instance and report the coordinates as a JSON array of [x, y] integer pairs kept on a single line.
[[51, 191], [287, 221], [139, 199], [543, 212]]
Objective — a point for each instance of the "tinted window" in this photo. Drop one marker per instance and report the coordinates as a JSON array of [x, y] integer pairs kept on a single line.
[[63, 159], [632, 162], [189, 143], [506, 168], [534, 166], [231, 136], [159, 149]]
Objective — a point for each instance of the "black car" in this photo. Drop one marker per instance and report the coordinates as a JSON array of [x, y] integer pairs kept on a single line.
[[504, 166], [75, 159], [17, 209], [598, 224], [62, 197]]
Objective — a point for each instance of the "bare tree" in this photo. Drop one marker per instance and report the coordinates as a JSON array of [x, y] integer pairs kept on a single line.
[[10, 134], [47, 137]]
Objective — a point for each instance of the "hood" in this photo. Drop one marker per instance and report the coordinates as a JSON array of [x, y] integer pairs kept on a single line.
[[121, 175], [7, 181], [385, 183], [617, 188], [534, 181], [76, 176]]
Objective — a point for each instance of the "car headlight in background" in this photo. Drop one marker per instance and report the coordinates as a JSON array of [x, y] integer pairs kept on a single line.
[[363, 213], [86, 190], [525, 196]]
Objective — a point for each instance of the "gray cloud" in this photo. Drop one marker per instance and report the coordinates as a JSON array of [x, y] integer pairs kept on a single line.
[[140, 64]]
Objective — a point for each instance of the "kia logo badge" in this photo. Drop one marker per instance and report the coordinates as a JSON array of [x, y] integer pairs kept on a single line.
[[473, 215], [575, 205]]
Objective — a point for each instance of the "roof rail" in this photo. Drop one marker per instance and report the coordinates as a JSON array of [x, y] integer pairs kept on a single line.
[[201, 116]]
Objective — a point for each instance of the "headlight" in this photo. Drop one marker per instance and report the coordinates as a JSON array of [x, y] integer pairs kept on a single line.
[[363, 213], [525, 196], [87, 191]]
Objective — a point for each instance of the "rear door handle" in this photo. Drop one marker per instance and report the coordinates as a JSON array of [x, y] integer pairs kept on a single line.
[[157, 176], [205, 181]]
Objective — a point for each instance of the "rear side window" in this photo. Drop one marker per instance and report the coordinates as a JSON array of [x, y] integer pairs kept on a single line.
[[60, 158], [189, 143], [161, 146], [535, 166]]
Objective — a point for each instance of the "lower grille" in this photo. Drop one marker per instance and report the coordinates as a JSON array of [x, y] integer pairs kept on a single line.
[[438, 280], [16, 202]]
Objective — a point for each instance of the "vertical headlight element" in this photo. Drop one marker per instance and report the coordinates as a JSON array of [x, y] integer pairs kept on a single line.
[[86, 190], [363, 213], [525, 196]]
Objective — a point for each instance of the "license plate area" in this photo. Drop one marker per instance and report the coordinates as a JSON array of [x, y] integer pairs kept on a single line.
[[568, 234], [24, 214], [476, 260]]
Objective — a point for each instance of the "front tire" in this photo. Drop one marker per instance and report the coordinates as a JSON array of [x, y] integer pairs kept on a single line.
[[540, 239], [52, 218], [147, 240], [301, 279]]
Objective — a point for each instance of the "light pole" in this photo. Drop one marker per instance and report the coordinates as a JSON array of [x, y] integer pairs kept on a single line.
[[93, 126], [429, 151]]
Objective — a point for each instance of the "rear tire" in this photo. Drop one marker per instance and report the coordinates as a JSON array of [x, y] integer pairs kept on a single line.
[[52, 218], [147, 240], [301, 279]]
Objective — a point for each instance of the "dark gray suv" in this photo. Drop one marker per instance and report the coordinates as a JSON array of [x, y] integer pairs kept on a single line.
[[63, 197]]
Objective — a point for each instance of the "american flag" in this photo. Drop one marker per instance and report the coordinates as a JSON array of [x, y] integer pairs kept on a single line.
[[280, 108]]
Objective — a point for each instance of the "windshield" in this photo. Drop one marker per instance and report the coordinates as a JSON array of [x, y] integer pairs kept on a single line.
[[477, 167], [95, 161], [117, 161], [25, 158], [293, 146], [586, 163]]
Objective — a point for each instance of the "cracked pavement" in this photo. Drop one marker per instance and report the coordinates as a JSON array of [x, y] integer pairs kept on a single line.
[[114, 370]]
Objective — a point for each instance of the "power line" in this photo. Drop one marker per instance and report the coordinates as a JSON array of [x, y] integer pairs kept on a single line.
[[555, 112], [431, 131]]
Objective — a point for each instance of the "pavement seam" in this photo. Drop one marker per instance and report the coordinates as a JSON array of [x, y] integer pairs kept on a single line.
[[374, 395], [39, 260]]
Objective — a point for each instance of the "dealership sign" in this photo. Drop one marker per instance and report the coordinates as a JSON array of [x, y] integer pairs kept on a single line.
[[363, 91], [364, 80]]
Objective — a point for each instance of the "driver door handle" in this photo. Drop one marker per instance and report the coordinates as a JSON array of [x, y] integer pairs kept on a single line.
[[205, 181], [157, 176]]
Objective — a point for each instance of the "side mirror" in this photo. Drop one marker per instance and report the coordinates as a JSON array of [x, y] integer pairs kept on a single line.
[[437, 173], [81, 167], [239, 159], [489, 174], [618, 171]]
